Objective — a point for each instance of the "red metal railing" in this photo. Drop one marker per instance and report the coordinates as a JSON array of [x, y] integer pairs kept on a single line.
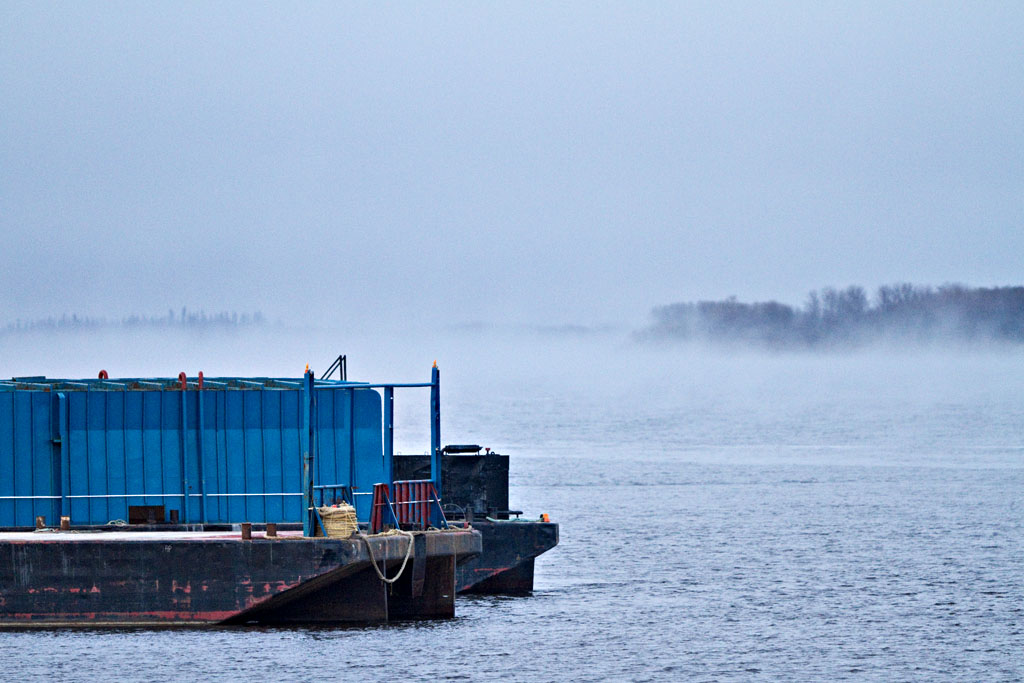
[[415, 505]]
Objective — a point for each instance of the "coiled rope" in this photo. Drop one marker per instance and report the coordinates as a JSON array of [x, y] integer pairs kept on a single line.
[[373, 560]]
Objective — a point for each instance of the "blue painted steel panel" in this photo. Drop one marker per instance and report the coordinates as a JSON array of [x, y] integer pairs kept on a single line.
[[42, 456], [273, 466], [234, 456], [291, 453], [116, 456], [152, 477], [252, 443], [134, 465], [22, 456], [93, 450], [367, 440], [29, 471], [170, 453], [7, 502], [217, 441]]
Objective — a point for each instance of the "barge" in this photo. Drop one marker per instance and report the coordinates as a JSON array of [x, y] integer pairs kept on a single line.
[[146, 501], [475, 482]]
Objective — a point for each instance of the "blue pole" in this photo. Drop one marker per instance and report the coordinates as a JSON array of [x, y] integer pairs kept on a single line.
[[389, 435], [435, 428], [199, 452], [65, 459], [184, 457], [306, 437]]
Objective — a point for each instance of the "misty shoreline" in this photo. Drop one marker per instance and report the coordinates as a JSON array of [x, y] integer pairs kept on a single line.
[[901, 314], [954, 317], [185, 319]]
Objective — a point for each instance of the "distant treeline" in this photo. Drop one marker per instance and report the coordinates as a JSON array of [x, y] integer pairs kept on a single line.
[[185, 319], [832, 317]]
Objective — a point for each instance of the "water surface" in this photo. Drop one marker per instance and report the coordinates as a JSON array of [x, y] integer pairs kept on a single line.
[[724, 517]]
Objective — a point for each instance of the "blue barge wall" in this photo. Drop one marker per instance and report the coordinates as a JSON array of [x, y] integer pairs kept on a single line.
[[224, 450]]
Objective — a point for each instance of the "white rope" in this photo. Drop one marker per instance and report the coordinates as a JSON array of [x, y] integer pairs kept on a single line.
[[373, 560]]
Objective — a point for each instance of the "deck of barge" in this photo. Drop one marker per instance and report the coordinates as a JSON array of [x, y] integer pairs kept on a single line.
[[43, 536], [148, 578]]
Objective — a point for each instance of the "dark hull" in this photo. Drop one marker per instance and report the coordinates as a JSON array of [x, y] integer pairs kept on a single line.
[[192, 581], [506, 564]]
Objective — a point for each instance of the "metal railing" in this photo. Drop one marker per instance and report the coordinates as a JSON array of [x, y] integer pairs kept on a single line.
[[414, 505], [344, 497]]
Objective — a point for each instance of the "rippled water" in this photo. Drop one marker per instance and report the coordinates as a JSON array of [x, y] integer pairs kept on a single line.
[[723, 518]]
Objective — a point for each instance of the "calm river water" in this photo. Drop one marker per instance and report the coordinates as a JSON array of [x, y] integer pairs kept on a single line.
[[724, 517]]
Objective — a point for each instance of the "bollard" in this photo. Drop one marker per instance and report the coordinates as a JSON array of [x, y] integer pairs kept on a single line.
[[65, 523], [271, 530], [246, 531], [40, 522]]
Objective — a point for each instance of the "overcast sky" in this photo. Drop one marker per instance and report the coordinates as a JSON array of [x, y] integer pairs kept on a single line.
[[555, 163]]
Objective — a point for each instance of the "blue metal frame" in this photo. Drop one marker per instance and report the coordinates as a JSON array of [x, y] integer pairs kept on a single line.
[[218, 450], [388, 455], [307, 437], [435, 428], [346, 494]]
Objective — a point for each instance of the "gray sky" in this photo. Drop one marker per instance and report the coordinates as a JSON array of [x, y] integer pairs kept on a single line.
[[501, 162]]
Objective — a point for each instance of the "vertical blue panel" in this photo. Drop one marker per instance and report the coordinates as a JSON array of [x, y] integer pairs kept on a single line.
[[349, 431], [135, 470], [335, 434], [7, 505], [368, 445], [323, 472], [209, 441], [78, 462], [200, 454], [348, 453], [211, 471], [222, 458], [170, 451], [42, 456], [333, 442], [253, 425], [341, 436], [56, 402], [235, 454], [218, 504], [273, 474], [291, 453], [117, 508], [326, 448], [96, 455], [22, 457], [191, 437], [152, 448]]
